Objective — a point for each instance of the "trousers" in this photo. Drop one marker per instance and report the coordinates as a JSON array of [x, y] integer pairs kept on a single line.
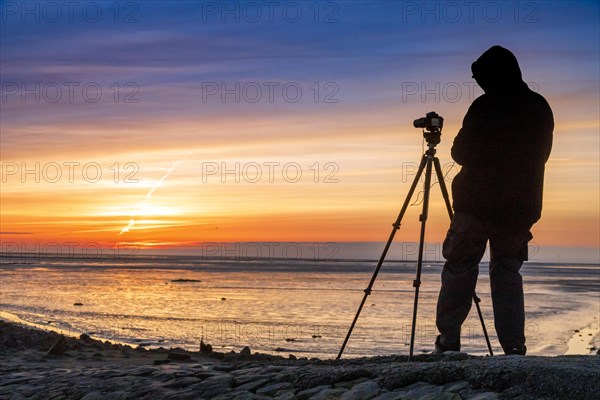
[[463, 249]]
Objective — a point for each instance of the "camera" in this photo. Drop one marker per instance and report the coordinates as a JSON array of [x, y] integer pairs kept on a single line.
[[431, 122]]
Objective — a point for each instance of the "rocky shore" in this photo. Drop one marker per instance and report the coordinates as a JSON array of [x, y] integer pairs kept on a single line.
[[44, 365]]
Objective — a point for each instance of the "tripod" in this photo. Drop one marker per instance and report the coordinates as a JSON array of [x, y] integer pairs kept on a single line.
[[428, 162]]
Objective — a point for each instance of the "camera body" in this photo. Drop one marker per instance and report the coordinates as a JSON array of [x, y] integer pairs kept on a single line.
[[432, 125], [431, 122]]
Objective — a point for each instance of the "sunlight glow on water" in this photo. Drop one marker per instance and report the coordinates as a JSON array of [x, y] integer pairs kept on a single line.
[[279, 309]]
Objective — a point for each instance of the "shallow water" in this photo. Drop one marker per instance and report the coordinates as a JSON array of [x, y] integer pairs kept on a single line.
[[280, 307]]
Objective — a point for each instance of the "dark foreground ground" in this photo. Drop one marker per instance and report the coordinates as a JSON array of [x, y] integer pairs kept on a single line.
[[88, 369]]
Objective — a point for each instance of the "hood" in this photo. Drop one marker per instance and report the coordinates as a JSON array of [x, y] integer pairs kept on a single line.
[[497, 70]]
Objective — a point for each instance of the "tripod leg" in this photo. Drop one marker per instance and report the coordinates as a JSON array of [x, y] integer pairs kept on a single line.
[[476, 300], [396, 226], [417, 281], [440, 177]]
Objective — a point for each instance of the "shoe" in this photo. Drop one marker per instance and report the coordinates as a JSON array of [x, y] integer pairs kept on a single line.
[[516, 351], [439, 349]]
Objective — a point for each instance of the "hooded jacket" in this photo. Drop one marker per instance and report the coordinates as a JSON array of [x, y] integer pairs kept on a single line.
[[503, 145]]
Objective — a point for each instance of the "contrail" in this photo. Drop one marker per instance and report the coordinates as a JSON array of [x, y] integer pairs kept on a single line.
[[148, 196]]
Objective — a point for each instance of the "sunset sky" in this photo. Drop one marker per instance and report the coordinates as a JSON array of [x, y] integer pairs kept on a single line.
[[170, 124]]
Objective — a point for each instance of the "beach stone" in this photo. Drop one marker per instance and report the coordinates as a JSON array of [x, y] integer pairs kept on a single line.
[[484, 396], [224, 367], [214, 386], [30, 391], [328, 376], [396, 395], [93, 396], [205, 348], [455, 387], [328, 394], [17, 396], [287, 395], [273, 368], [207, 374], [163, 376], [179, 383], [248, 371], [58, 348], [253, 385], [108, 374], [241, 380], [142, 371], [149, 388], [245, 351], [349, 384], [308, 393], [15, 381], [274, 388], [362, 391], [421, 390], [179, 356], [236, 395]]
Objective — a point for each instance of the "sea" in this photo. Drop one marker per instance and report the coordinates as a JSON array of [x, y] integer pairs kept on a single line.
[[281, 306]]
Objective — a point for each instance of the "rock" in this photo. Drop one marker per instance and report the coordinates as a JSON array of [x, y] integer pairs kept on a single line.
[[455, 387], [93, 396], [205, 348], [217, 355], [484, 396], [349, 384], [274, 388], [363, 391], [287, 395], [423, 390], [173, 356], [58, 348], [213, 386], [180, 383], [143, 371], [224, 367], [328, 394], [245, 351], [85, 337], [238, 395], [160, 362], [77, 304], [308, 393], [253, 385], [396, 395], [292, 357], [246, 378]]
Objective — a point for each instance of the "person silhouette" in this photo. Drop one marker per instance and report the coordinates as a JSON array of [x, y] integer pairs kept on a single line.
[[502, 146]]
